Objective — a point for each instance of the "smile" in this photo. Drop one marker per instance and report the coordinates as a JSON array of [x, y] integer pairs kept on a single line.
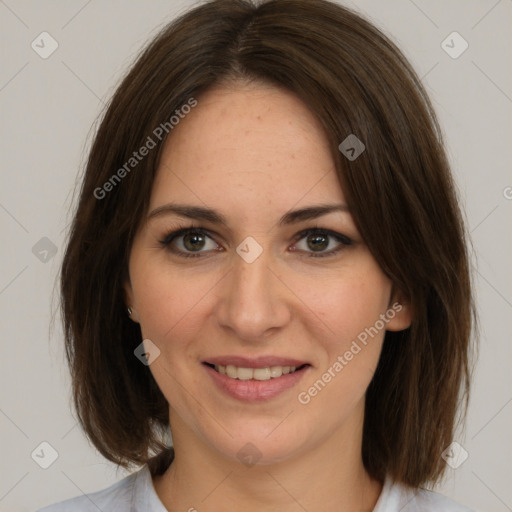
[[266, 373], [255, 380]]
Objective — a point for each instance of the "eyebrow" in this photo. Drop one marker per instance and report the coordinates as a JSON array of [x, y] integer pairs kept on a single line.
[[213, 216]]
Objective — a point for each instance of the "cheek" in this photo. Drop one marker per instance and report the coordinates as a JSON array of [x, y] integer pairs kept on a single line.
[[348, 305], [171, 310], [170, 304], [350, 312]]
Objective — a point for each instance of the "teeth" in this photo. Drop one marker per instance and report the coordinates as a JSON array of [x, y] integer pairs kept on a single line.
[[261, 373], [276, 371], [272, 372], [244, 373]]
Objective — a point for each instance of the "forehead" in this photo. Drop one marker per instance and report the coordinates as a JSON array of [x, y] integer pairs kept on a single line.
[[245, 146]]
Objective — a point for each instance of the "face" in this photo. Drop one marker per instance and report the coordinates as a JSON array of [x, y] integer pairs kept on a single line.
[[250, 264]]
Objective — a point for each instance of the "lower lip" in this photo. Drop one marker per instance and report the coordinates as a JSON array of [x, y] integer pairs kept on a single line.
[[255, 390]]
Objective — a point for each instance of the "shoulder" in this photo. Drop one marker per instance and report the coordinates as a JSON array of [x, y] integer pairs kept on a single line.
[[116, 498], [135, 492], [396, 497]]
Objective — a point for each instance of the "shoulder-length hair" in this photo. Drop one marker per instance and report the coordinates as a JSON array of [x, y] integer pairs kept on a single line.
[[399, 190]]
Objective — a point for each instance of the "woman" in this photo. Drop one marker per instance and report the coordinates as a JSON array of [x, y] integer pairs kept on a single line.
[[268, 261]]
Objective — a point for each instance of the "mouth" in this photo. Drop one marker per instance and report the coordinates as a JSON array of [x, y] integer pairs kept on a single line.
[[261, 374], [255, 380]]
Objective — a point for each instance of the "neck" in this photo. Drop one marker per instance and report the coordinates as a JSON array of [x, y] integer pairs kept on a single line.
[[328, 478]]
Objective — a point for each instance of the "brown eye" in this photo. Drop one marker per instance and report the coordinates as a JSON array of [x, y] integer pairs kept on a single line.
[[190, 242], [318, 242], [194, 241], [321, 242]]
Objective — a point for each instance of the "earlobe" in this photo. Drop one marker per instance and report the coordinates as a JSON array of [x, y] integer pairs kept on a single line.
[[132, 314], [399, 312], [131, 311]]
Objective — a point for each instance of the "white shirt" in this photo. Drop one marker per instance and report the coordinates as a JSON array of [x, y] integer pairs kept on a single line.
[[136, 493]]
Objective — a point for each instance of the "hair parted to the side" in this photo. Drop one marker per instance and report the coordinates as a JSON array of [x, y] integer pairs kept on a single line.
[[400, 193]]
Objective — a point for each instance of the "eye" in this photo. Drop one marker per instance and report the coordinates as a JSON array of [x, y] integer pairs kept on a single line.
[[189, 242], [321, 242]]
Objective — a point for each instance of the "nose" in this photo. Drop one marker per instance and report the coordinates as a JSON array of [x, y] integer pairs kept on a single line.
[[253, 302]]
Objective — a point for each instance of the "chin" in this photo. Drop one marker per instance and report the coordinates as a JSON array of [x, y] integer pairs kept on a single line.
[[261, 444]]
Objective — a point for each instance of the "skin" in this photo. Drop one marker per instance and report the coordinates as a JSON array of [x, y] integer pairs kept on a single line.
[[254, 153]]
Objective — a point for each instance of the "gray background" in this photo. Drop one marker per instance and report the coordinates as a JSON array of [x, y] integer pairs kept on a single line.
[[48, 107]]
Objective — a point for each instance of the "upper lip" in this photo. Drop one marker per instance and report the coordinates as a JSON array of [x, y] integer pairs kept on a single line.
[[254, 362]]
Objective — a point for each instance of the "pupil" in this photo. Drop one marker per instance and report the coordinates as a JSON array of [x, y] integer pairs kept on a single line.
[[193, 241], [318, 242]]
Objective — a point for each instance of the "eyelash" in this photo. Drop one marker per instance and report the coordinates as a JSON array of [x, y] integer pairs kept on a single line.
[[343, 240]]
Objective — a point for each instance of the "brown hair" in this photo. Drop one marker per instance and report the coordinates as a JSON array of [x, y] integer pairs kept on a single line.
[[399, 190]]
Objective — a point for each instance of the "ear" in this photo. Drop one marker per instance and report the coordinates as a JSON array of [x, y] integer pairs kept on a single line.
[[129, 300], [399, 311]]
